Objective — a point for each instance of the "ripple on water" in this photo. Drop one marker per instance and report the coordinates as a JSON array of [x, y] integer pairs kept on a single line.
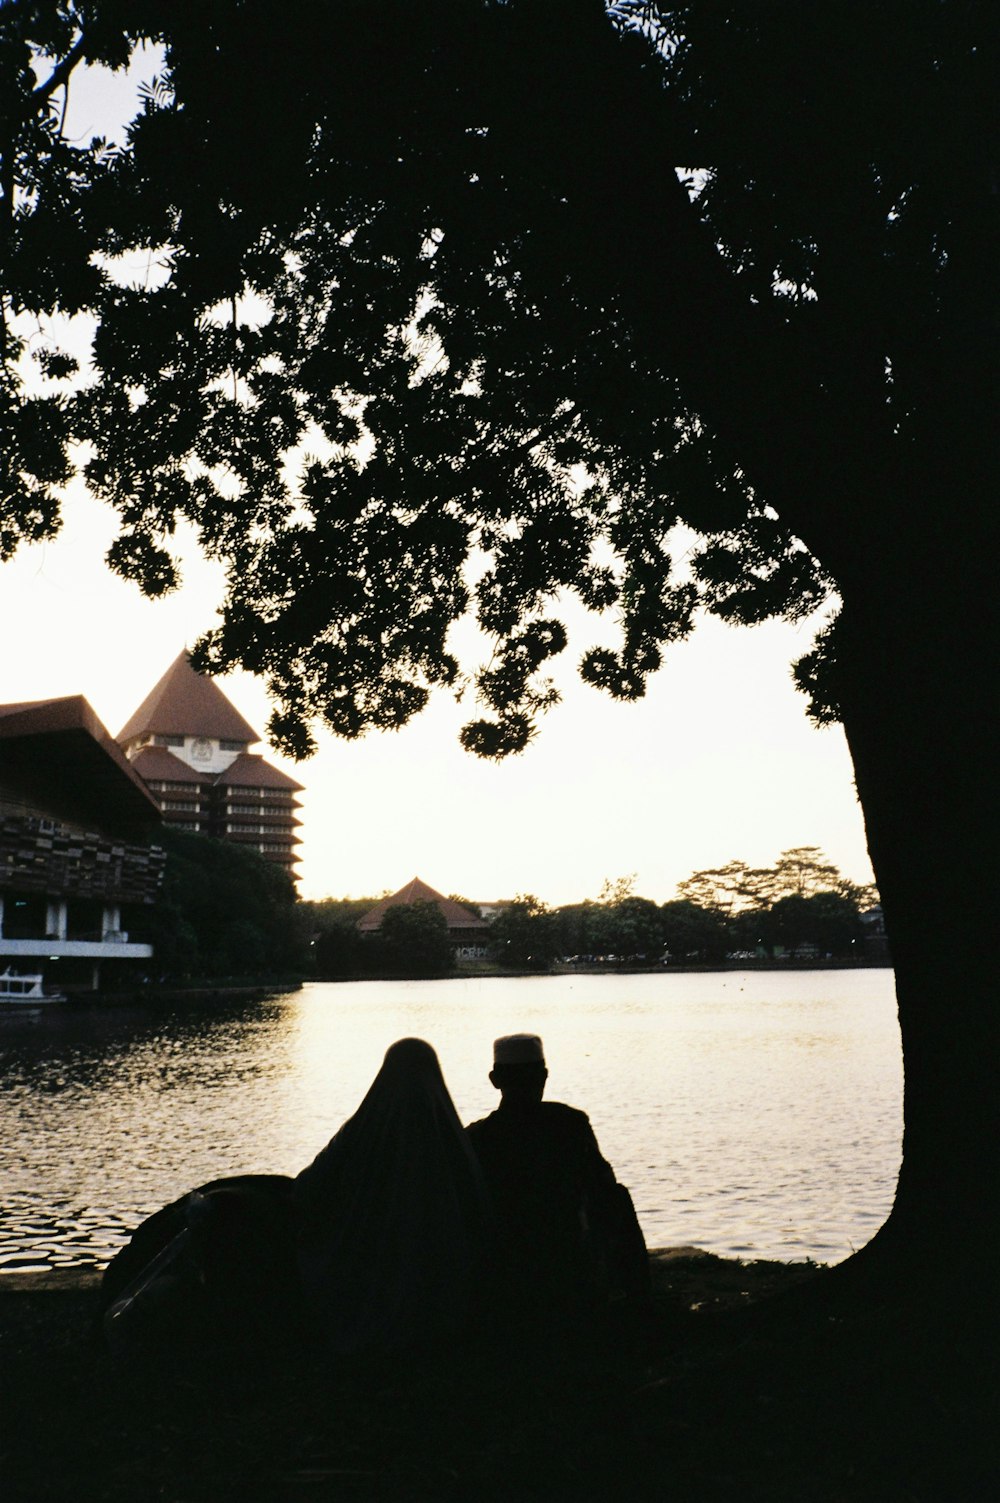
[[758, 1120]]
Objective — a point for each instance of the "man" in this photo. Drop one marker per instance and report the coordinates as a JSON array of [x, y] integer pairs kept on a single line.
[[569, 1241]]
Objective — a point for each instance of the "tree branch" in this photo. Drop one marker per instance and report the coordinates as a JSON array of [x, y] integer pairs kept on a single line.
[[56, 78], [632, 232]]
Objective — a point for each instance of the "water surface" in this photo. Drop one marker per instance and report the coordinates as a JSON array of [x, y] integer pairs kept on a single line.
[[756, 1113]]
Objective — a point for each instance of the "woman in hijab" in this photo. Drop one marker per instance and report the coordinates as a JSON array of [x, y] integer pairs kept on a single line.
[[382, 1241], [391, 1218]]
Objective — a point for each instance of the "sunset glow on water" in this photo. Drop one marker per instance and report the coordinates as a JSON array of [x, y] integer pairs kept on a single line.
[[757, 1114]]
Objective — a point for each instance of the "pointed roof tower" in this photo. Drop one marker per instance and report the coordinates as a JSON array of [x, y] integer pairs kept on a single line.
[[185, 703], [189, 745]]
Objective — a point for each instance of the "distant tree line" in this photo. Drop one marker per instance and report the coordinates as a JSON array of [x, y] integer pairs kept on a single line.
[[226, 913], [412, 941], [800, 906]]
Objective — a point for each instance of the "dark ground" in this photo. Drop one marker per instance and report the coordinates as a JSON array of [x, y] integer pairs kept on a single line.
[[741, 1397]]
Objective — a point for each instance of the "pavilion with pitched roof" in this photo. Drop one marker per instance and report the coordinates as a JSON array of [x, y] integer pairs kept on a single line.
[[191, 747], [466, 930]]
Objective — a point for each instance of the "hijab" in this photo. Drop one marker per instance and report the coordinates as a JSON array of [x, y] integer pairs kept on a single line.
[[392, 1215]]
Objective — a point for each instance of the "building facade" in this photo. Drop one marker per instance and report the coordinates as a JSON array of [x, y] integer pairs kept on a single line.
[[76, 851], [191, 747], [468, 933]]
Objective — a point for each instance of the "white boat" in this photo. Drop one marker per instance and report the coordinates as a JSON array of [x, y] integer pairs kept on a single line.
[[25, 991]]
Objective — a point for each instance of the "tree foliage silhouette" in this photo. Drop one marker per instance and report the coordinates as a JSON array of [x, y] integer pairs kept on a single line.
[[524, 285]]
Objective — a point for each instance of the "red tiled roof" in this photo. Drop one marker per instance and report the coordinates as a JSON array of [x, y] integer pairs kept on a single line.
[[185, 703], [34, 706], [157, 764], [416, 891], [251, 771]]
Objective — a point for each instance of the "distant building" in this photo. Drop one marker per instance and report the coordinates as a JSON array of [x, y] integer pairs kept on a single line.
[[191, 748], [493, 910], [468, 932], [875, 941], [75, 852]]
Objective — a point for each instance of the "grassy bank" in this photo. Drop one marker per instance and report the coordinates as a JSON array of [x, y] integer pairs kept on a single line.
[[725, 1397]]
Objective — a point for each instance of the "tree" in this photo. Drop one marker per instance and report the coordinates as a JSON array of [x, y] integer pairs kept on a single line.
[[629, 927], [476, 246], [337, 949], [223, 911], [415, 941], [524, 934], [737, 887], [691, 932], [804, 871], [456, 897], [577, 927], [728, 889], [829, 921]]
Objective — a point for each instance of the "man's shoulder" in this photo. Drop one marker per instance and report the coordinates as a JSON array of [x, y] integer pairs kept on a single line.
[[566, 1116], [551, 1114], [481, 1125]]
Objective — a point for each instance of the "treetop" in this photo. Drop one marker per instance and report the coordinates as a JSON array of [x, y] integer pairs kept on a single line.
[[474, 313]]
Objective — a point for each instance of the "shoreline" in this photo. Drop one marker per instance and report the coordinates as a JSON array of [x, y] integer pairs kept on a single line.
[[84, 1279], [251, 991], [468, 973], [721, 967], [258, 991]]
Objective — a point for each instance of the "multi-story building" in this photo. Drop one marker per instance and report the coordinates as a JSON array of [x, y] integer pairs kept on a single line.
[[76, 858], [191, 747]]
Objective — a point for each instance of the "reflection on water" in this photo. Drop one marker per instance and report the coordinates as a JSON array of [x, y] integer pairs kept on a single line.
[[755, 1113]]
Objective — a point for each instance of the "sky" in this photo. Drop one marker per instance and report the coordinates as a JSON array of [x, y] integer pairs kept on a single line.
[[718, 762]]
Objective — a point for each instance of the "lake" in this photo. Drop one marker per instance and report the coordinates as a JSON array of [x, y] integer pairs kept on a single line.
[[753, 1113]]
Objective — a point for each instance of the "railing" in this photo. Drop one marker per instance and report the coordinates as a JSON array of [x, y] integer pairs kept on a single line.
[[89, 936]]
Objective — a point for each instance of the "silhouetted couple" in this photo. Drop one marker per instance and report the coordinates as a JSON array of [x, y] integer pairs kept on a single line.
[[406, 1230]]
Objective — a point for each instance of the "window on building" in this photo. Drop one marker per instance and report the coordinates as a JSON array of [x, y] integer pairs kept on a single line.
[[168, 740]]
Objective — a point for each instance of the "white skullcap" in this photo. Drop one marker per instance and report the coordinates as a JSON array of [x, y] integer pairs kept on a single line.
[[518, 1049]]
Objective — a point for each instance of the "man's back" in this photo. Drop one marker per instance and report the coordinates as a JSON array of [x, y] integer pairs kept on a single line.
[[567, 1231], [547, 1148], [552, 1192]]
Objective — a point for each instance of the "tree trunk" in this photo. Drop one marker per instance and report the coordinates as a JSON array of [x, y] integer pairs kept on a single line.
[[914, 682]]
